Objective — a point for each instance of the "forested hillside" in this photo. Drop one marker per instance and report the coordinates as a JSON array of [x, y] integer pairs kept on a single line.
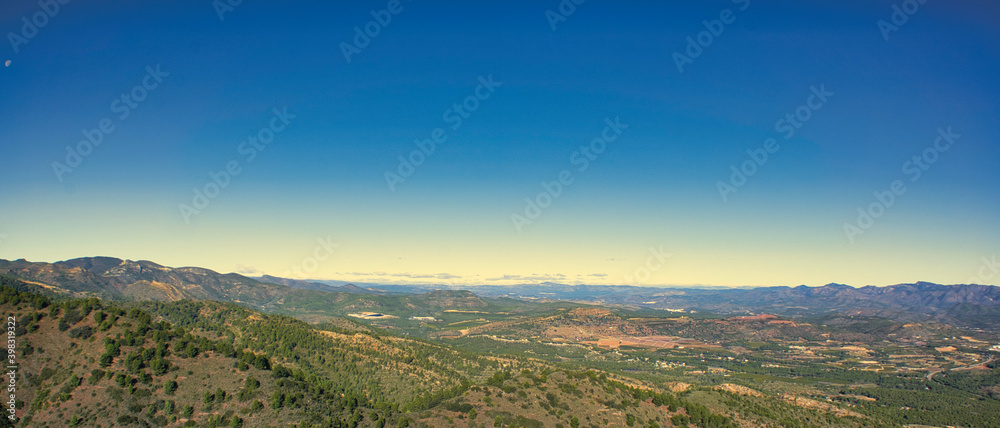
[[86, 362], [90, 354]]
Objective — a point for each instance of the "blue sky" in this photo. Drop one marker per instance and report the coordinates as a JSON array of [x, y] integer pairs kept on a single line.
[[460, 217]]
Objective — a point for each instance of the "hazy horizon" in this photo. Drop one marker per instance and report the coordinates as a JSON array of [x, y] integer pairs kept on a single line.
[[417, 280]]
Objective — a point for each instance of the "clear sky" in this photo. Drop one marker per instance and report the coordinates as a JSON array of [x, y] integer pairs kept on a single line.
[[180, 87]]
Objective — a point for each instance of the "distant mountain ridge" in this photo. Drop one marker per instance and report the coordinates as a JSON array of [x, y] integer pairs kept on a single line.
[[114, 278], [143, 280], [969, 305], [318, 286], [963, 305]]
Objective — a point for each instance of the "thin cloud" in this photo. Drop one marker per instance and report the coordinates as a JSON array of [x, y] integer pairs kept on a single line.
[[247, 270], [403, 275], [532, 277]]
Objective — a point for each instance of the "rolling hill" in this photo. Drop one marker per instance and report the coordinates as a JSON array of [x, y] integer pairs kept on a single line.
[[87, 362]]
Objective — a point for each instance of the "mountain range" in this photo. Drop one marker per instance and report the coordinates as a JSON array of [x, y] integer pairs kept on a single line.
[[163, 346], [968, 305]]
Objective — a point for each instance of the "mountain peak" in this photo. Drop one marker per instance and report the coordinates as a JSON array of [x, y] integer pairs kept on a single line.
[[92, 264]]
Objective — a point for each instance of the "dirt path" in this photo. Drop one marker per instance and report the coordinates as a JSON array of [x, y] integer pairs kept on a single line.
[[930, 375]]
